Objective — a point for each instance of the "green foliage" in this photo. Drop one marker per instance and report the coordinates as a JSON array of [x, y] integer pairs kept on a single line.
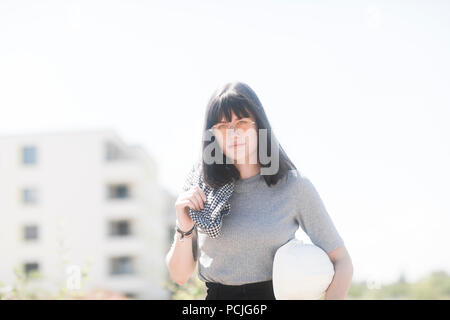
[[435, 286], [35, 286], [193, 289]]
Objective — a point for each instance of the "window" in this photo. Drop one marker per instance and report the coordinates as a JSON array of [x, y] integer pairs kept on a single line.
[[30, 232], [121, 265], [29, 155], [120, 228], [113, 152], [29, 196], [30, 267], [130, 295], [118, 191]]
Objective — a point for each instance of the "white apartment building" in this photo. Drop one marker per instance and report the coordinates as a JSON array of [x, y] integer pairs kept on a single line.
[[76, 200]]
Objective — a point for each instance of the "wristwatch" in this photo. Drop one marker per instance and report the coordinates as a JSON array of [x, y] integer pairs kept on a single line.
[[183, 234]]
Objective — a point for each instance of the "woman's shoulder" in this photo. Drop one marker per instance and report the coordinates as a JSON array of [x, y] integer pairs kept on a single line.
[[295, 175], [290, 181], [298, 175], [298, 179], [303, 184]]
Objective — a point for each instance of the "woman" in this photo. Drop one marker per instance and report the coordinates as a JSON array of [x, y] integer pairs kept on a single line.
[[270, 201]]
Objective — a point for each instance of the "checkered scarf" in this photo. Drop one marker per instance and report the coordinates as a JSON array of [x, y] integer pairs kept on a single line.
[[209, 219]]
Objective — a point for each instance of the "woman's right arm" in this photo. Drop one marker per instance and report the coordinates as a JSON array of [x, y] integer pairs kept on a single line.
[[180, 258]]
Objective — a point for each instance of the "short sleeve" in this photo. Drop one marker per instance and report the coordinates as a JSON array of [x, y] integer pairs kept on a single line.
[[314, 218]]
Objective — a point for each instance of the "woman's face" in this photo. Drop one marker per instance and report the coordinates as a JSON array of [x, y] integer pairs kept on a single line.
[[240, 141]]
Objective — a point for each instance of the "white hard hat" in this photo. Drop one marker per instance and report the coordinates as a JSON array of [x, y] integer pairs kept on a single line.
[[301, 271]]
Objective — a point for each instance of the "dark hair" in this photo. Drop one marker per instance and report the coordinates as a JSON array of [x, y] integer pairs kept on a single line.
[[239, 98]]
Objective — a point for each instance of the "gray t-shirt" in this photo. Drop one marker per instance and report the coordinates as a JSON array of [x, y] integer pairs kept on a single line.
[[261, 220]]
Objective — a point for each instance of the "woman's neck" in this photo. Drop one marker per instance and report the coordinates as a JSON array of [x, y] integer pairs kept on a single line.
[[248, 170]]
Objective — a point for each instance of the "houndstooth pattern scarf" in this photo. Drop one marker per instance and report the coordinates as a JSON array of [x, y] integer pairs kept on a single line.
[[217, 204]]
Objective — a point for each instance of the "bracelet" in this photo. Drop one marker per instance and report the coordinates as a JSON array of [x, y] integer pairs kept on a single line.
[[184, 234]]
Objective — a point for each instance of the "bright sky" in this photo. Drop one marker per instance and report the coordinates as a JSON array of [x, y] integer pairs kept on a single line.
[[357, 95]]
